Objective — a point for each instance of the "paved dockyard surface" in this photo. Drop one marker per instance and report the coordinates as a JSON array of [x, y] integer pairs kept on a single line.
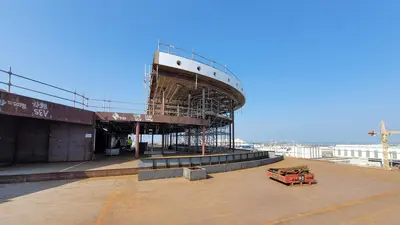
[[100, 163], [344, 195]]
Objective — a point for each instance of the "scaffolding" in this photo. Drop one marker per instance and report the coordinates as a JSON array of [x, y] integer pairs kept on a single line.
[[171, 93]]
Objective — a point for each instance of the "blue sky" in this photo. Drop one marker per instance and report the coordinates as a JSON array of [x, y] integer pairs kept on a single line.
[[313, 71]]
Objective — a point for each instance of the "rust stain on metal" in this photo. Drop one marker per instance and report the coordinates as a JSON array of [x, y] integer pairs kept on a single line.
[[18, 105], [129, 117]]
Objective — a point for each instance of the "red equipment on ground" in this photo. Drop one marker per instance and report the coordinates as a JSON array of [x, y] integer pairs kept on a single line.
[[292, 175]]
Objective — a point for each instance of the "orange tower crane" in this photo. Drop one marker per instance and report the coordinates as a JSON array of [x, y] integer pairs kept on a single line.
[[385, 146]]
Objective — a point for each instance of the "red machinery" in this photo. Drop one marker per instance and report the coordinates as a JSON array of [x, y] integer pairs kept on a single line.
[[292, 175]]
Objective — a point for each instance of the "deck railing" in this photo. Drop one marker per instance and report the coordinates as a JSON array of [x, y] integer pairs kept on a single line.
[[171, 49], [72, 96], [106, 105]]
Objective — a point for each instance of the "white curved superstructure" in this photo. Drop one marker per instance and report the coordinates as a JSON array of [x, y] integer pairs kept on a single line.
[[192, 66]]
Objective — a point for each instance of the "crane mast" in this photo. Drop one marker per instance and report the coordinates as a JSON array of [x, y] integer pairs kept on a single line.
[[385, 146]]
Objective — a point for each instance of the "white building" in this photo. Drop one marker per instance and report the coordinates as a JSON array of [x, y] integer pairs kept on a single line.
[[298, 151], [368, 155]]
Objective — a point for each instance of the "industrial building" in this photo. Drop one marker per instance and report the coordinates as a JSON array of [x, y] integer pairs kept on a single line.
[[366, 155]]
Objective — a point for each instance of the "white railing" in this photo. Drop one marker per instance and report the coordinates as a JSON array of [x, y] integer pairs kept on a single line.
[[170, 49]]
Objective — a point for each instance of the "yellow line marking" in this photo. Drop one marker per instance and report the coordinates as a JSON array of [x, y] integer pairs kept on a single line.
[[106, 208], [334, 207], [72, 166], [370, 216]]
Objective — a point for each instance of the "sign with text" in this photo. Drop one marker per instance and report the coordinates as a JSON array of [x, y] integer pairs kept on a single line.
[[17, 105]]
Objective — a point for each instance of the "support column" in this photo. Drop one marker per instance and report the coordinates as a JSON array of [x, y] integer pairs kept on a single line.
[[162, 138], [203, 144], [203, 113], [233, 127], [152, 142], [170, 139], [197, 138], [189, 111], [176, 141], [230, 134], [137, 140], [166, 141], [93, 142], [189, 139], [216, 137], [163, 102]]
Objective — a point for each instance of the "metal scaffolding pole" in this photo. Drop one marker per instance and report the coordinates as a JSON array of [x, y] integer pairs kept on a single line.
[[204, 104], [189, 139], [197, 138], [216, 137], [189, 109], [230, 134], [162, 139], [163, 102], [152, 142], [170, 139], [203, 145], [176, 141]]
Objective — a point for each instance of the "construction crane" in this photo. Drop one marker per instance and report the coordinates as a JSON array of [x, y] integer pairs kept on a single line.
[[385, 146]]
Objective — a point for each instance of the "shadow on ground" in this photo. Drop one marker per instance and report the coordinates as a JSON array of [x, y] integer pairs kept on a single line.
[[10, 191], [125, 160], [63, 169]]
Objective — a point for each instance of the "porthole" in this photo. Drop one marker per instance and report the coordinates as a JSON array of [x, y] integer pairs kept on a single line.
[[178, 62], [237, 85], [215, 74], [198, 68], [229, 80]]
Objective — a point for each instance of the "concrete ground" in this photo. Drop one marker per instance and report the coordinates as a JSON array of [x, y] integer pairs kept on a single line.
[[100, 163], [344, 195]]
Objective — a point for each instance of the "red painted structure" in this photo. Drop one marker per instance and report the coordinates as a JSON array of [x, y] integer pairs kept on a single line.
[[32, 130], [292, 175]]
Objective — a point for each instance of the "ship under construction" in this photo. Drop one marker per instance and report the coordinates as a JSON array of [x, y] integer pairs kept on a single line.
[[190, 104]]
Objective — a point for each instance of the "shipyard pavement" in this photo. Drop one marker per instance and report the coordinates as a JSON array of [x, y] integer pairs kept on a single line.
[[344, 195]]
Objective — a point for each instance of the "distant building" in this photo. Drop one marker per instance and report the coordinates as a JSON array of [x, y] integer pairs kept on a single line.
[[365, 155]]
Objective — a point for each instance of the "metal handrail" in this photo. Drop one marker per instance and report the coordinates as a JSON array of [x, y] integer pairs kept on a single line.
[[10, 84], [193, 54], [90, 103]]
